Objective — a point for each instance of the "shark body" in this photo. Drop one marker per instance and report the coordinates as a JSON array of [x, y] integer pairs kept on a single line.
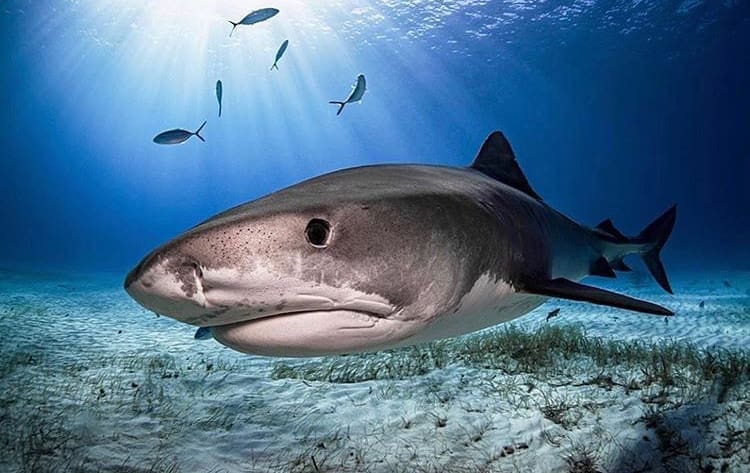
[[377, 257]]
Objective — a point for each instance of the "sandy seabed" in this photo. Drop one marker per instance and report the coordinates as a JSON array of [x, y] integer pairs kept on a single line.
[[92, 382]]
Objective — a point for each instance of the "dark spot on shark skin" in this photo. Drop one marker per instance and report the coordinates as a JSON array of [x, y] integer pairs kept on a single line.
[[188, 287], [185, 270]]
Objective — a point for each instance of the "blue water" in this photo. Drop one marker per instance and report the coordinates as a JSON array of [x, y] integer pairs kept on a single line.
[[615, 109]]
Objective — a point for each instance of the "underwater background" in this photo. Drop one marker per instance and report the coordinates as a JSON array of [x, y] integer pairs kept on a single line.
[[615, 109]]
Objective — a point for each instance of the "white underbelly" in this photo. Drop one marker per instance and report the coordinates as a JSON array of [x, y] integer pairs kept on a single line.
[[488, 303]]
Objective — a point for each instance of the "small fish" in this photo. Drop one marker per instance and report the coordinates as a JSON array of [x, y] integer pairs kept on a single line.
[[727, 284], [553, 314], [355, 96], [176, 136], [254, 17], [280, 53], [702, 304], [219, 92], [203, 333]]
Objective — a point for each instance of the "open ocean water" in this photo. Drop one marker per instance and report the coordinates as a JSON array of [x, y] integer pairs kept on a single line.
[[615, 109]]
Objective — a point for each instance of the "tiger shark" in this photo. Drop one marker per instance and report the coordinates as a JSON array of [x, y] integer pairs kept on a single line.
[[383, 256]]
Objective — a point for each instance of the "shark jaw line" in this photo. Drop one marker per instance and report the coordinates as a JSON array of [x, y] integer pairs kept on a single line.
[[314, 333], [221, 312], [349, 308], [227, 297]]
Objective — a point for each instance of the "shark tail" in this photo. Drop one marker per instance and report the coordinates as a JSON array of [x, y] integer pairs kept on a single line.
[[341, 106], [219, 110], [655, 235], [274, 67], [198, 132], [647, 244], [234, 25]]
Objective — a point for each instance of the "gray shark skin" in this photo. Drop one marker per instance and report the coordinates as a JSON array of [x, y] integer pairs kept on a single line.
[[377, 257]]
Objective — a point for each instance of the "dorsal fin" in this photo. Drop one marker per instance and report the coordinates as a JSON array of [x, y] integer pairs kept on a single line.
[[609, 227], [496, 159]]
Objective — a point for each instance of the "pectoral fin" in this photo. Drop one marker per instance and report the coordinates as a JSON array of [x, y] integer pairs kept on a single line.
[[601, 267], [566, 289], [203, 333]]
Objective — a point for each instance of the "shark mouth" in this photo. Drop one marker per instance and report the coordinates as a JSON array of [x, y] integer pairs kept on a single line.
[[294, 306], [181, 289], [227, 297]]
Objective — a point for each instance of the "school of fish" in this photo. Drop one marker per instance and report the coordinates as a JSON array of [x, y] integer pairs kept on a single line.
[[178, 135]]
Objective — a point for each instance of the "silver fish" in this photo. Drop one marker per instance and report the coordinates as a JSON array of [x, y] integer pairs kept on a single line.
[[254, 17], [219, 94], [177, 135], [280, 53], [355, 96]]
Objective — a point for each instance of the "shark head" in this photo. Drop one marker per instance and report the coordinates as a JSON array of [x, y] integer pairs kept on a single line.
[[344, 262]]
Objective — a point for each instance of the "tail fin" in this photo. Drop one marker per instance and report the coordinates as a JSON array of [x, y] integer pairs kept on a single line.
[[234, 25], [656, 234], [341, 106], [198, 132], [274, 67]]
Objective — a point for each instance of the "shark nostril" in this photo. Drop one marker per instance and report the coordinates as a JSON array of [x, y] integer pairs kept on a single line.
[[130, 278], [139, 270]]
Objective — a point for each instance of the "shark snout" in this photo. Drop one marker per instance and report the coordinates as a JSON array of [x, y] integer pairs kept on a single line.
[[136, 273], [168, 284]]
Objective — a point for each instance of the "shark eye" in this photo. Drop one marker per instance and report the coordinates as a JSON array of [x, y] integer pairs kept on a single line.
[[318, 233]]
